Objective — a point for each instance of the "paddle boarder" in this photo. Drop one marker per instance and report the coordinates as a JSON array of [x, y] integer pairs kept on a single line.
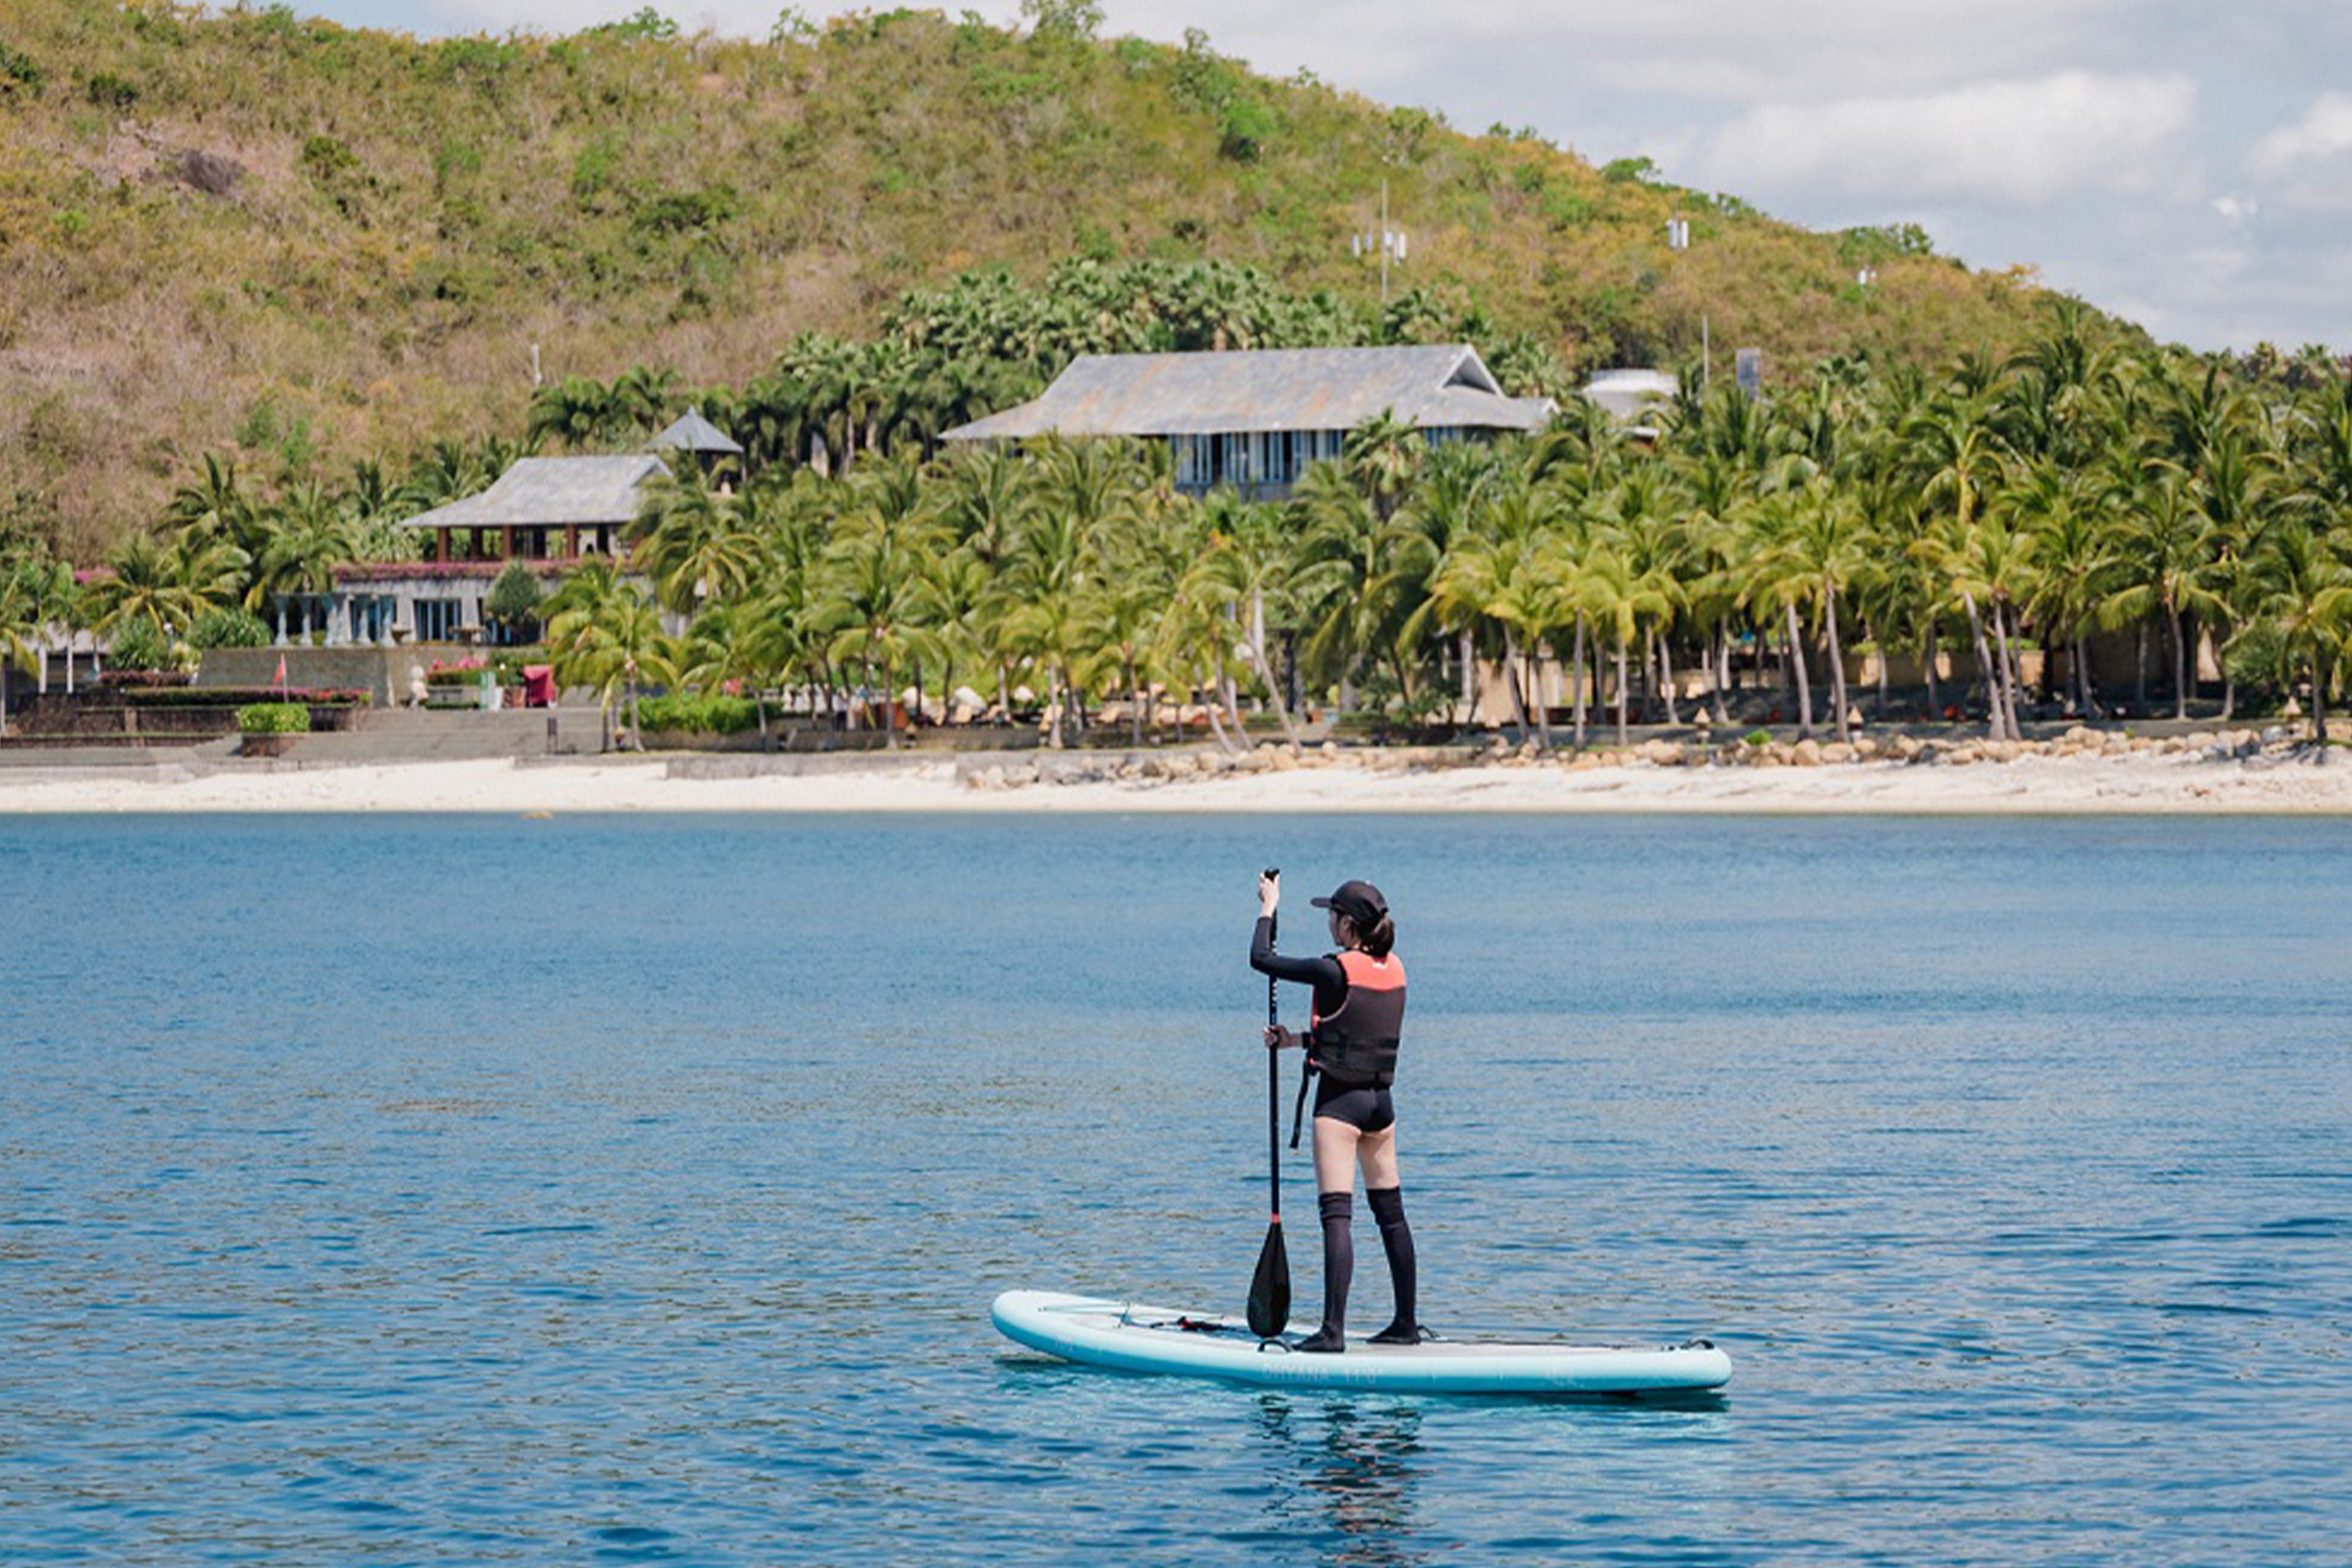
[[1351, 1046]]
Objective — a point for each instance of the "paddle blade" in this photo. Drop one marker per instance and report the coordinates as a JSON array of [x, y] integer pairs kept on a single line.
[[1269, 1297]]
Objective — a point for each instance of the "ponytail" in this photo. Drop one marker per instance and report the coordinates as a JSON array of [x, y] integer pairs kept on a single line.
[[1377, 941]]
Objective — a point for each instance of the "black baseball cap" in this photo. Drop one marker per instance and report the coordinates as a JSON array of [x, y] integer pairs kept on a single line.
[[1360, 902]]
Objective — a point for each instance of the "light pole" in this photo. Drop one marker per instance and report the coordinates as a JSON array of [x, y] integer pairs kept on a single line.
[[1389, 243]]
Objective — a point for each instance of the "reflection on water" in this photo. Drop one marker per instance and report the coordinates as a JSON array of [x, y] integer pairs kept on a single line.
[[1353, 1470]]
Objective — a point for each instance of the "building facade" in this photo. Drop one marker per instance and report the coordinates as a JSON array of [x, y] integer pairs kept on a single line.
[[1255, 421]]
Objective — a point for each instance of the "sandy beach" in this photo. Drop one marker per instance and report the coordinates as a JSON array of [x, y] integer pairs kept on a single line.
[[2184, 781]]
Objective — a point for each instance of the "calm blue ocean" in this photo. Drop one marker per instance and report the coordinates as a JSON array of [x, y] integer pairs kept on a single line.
[[497, 1190]]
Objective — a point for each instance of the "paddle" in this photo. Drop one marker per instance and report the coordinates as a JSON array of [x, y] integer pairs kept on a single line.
[[1269, 1295]]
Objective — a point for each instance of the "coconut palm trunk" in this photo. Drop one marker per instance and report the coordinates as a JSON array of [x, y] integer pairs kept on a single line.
[[1469, 652], [1511, 682], [1217, 728], [1804, 681], [2009, 681], [1837, 662], [2179, 664], [2319, 700], [1995, 728], [1579, 693], [1621, 653], [1878, 645], [1929, 658], [1265, 670], [1666, 680]]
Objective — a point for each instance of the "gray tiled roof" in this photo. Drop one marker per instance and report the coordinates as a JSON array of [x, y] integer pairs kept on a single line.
[[540, 492], [1629, 394], [1447, 386], [695, 433]]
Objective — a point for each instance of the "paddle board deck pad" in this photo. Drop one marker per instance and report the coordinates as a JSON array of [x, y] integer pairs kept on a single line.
[[1131, 1337]]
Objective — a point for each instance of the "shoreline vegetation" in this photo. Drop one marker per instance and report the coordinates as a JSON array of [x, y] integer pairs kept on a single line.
[[2081, 772], [2069, 524], [2084, 531]]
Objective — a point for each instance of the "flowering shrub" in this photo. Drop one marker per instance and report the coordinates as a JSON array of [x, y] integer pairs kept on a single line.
[[184, 696], [418, 570], [463, 673]]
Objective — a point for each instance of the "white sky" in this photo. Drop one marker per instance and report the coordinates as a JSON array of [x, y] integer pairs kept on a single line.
[[2186, 164]]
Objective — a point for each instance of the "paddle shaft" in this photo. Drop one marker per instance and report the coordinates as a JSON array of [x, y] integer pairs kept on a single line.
[[1269, 1297], [1273, 1081]]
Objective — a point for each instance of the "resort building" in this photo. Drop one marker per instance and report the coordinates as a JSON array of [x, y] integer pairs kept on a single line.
[[1255, 420], [692, 433], [548, 513], [1631, 396]]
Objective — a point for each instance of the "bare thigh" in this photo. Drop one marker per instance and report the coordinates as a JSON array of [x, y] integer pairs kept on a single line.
[[1340, 1147], [1335, 1154]]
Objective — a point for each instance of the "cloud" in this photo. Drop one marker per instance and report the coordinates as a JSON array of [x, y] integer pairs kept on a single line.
[[2005, 143], [2307, 162]]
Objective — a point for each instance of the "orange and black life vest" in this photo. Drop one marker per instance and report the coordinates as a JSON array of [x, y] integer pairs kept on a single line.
[[1357, 1045]]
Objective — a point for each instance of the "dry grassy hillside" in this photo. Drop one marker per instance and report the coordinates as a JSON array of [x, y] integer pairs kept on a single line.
[[305, 245]]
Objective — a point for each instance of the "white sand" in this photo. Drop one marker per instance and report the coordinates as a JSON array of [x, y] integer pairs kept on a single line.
[[2137, 783]]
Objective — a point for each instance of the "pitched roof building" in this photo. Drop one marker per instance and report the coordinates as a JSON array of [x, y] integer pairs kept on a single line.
[[1255, 419], [693, 432], [544, 494]]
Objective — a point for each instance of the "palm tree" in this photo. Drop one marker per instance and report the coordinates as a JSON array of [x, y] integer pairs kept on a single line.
[[52, 603], [868, 602], [1827, 543], [21, 622], [645, 398], [601, 631], [734, 643], [1619, 601], [695, 546], [1777, 582], [146, 582], [1352, 601], [2167, 548], [578, 411], [2304, 596], [2073, 547], [1248, 566], [309, 535], [1381, 457], [953, 598]]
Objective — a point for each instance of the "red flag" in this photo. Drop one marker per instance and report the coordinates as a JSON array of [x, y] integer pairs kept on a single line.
[[281, 674]]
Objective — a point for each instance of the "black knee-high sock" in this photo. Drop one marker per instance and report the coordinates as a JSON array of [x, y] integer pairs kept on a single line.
[[1339, 1256], [1396, 1240]]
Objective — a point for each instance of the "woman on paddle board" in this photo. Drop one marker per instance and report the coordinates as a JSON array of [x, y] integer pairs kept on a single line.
[[1352, 1047]]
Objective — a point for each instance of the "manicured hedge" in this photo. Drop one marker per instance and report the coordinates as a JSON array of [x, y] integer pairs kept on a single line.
[[715, 715], [273, 719]]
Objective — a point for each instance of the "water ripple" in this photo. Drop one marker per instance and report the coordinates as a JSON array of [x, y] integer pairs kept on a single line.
[[429, 1191]]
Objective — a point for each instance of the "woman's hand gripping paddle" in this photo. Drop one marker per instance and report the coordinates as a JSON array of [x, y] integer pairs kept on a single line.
[[1269, 1296]]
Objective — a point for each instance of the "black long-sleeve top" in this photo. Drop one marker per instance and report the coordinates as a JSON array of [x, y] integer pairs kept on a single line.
[[1324, 974]]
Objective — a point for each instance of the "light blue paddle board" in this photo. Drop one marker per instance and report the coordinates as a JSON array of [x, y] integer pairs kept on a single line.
[[1133, 1337]]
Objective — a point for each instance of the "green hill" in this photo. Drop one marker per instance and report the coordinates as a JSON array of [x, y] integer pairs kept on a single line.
[[303, 245]]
